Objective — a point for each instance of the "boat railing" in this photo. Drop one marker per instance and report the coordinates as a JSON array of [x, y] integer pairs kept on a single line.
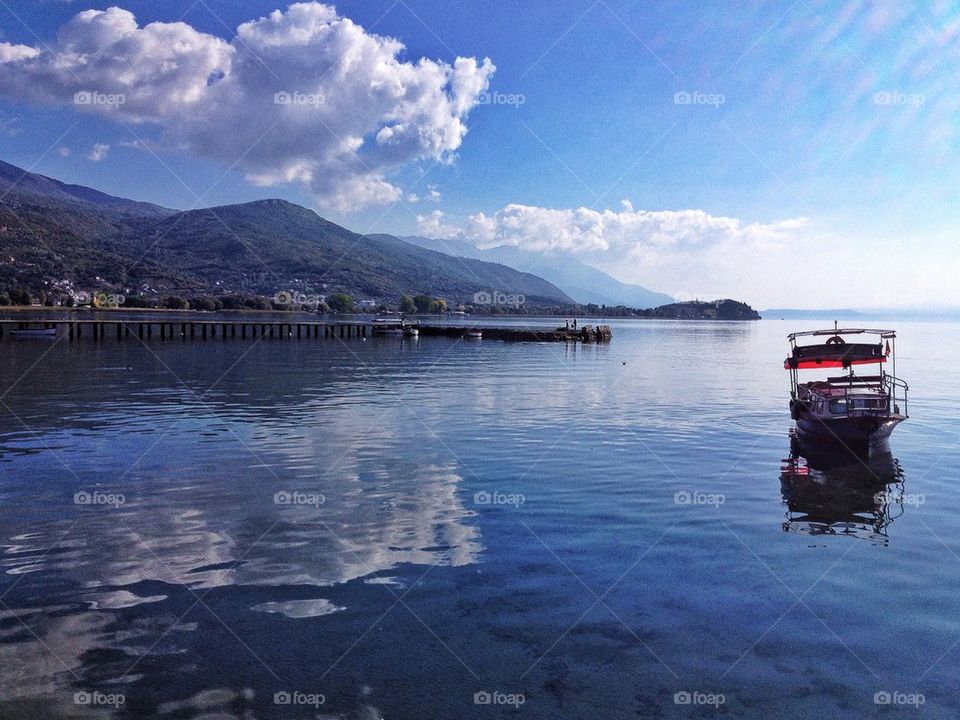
[[894, 389], [897, 390], [854, 409]]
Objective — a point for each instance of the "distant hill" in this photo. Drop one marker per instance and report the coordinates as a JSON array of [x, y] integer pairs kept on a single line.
[[583, 283], [699, 310], [925, 313], [51, 231], [16, 181]]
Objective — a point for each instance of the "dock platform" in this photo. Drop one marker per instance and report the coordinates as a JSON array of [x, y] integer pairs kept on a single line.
[[102, 329]]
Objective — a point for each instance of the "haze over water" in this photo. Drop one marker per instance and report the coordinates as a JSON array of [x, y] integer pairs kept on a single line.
[[398, 525]]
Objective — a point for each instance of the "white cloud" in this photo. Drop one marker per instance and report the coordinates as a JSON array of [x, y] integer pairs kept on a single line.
[[432, 225], [687, 253], [301, 96], [12, 53], [628, 233], [792, 262], [412, 198], [482, 230], [433, 194], [98, 152], [161, 70], [63, 151]]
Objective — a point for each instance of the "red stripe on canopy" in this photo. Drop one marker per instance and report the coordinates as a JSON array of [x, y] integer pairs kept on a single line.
[[810, 363]]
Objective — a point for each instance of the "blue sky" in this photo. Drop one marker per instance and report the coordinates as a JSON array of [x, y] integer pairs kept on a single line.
[[818, 137]]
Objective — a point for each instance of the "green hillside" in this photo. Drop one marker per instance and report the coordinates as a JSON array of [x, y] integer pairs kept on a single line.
[[53, 235]]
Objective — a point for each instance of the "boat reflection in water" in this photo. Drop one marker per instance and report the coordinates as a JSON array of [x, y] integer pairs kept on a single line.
[[837, 494]]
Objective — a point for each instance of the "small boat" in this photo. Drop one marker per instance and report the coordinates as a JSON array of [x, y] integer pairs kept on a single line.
[[387, 326], [32, 333], [850, 413], [394, 326], [475, 334]]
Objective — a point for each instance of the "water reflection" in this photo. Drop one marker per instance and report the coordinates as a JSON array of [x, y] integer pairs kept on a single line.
[[847, 497], [363, 524], [89, 590]]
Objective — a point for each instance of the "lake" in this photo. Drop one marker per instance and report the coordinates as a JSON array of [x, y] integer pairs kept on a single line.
[[433, 528]]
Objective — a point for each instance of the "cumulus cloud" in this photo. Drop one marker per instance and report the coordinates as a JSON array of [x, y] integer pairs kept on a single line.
[[687, 253], [433, 225], [584, 231], [12, 53], [302, 95], [98, 152]]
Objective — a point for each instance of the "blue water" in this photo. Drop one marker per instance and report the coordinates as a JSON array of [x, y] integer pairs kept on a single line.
[[393, 528]]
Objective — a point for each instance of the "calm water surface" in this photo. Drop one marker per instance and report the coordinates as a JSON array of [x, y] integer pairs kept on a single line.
[[405, 529]]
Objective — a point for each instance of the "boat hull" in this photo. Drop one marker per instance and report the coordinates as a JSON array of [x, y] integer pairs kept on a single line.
[[47, 333], [855, 435]]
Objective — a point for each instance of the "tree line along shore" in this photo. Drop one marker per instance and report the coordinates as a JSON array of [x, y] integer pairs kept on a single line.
[[344, 304]]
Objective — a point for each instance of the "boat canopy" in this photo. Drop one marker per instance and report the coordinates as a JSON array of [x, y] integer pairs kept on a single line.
[[835, 353], [886, 334]]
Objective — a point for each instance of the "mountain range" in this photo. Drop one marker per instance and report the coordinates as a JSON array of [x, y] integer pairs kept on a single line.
[[583, 283], [17, 183], [53, 234], [927, 312]]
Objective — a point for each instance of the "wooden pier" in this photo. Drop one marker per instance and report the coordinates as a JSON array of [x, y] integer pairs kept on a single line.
[[103, 329]]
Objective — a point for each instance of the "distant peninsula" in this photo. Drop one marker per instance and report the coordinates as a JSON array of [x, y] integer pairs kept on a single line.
[[725, 309], [699, 310]]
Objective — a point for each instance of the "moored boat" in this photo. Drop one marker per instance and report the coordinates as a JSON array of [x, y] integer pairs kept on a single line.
[[33, 333], [394, 326], [387, 326], [848, 412]]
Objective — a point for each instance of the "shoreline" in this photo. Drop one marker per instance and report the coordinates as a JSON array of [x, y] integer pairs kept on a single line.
[[349, 316]]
